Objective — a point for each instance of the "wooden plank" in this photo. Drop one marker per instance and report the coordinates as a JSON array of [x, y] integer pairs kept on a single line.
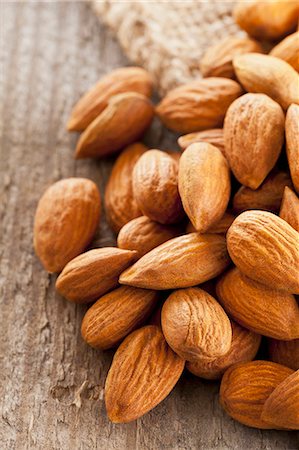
[[52, 383]]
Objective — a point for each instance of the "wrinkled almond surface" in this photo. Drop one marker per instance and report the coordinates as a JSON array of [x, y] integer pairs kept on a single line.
[[289, 210], [288, 50], [213, 136], [292, 132], [284, 352]]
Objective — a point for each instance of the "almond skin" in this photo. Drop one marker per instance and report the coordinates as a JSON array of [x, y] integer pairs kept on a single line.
[[66, 220], [92, 274], [218, 59], [289, 210], [245, 388], [292, 132], [267, 197], [244, 347], [144, 371], [288, 50], [213, 136], [198, 105], [155, 187], [184, 261], [120, 204], [143, 234], [122, 122], [195, 325], [256, 121], [124, 79], [220, 227], [204, 184], [284, 352], [268, 75], [116, 314], [259, 308], [282, 406], [265, 248]]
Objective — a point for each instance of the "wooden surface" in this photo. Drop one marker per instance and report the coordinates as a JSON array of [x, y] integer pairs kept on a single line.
[[51, 386]]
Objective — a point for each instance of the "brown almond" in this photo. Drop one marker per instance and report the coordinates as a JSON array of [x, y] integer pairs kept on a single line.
[[284, 352], [117, 314], [289, 210], [144, 371], [244, 347], [195, 325], [122, 122], [256, 122], [259, 308], [265, 248], [66, 220], [198, 105], [292, 132], [181, 262], [92, 274], [213, 136], [220, 227], [288, 50], [204, 184]]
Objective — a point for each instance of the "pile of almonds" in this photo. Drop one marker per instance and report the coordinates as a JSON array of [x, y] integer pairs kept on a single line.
[[207, 256]]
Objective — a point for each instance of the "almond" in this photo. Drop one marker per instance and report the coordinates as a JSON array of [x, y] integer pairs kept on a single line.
[[143, 234], [289, 210], [288, 50], [220, 227], [121, 80], [244, 347], [267, 197], [268, 75], [122, 122], [282, 406], [181, 262], [120, 204], [198, 105], [218, 59], [265, 248], [92, 274], [245, 388], [292, 132], [256, 121], [270, 19], [155, 187], [204, 184], [284, 352], [259, 308], [66, 220], [144, 371], [213, 136], [116, 314], [195, 325]]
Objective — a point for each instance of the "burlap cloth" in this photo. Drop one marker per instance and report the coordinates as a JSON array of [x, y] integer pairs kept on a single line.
[[167, 38]]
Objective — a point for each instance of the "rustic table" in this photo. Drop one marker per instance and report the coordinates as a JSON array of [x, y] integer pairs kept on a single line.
[[51, 386]]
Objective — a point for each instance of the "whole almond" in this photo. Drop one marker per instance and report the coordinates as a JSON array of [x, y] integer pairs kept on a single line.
[[155, 187], [213, 136], [244, 347], [288, 50], [120, 204], [184, 261], [256, 122], [122, 122], [220, 227], [217, 61], [284, 352], [143, 234], [268, 75], [144, 371], [116, 314], [92, 274], [245, 388], [121, 80], [282, 406], [198, 105], [259, 308], [195, 325], [270, 19], [204, 184], [66, 220], [289, 210], [267, 197], [265, 248], [292, 132]]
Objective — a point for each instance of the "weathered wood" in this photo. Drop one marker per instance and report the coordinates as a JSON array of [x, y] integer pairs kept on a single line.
[[51, 386]]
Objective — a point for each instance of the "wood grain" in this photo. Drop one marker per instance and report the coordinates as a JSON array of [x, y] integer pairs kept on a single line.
[[51, 386]]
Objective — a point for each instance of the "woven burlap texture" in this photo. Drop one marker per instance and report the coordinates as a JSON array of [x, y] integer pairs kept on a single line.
[[168, 38]]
